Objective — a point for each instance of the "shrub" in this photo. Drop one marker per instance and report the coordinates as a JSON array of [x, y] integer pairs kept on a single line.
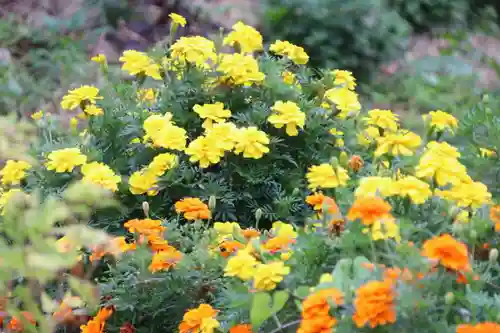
[[355, 35]]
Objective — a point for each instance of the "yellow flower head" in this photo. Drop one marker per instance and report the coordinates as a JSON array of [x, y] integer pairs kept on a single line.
[[375, 186], [441, 121], [326, 176], [345, 100], [368, 136], [385, 228], [400, 143], [147, 95], [155, 124], [223, 134], [14, 172], [5, 198], [290, 79], [293, 52], [242, 265], [283, 230], [226, 228], [251, 142], [143, 181], [412, 187], [65, 160], [473, 194], [336, 132], [139, 63], [82, 96], [287, 114], [100, 174], [239, 69], [164, 133], [248, 39], [162, 162], [212, 113], [99, 58], [178, 19], [93, 110], [384, 119], [205, 151], [344, 78], [485, 153], [37, 115], [195, 50], [268, 276]]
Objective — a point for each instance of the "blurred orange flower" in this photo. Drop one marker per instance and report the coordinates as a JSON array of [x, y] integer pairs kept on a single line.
[[486, 327], [374, 304], [145, 227], [194, 319], [369, 210], [242, 328], [165, 259], [193, 209]]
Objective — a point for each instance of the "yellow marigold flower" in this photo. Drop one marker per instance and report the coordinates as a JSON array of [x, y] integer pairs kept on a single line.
[[283, 230], [99, 58], [287, 114], [156, 123], [339, 143], [223, 134], [212, 113], [161, 163], [441, 121], [268, 276], [93, 110], [226, 228], [5, 198], [384, 228], [139, 63], [100, 174], [251, 142], [37, 115], [400, 143], [242, 266], [325, 176], [344, 78], [143, 181], [368, 136], [484, 152], [248, 39], [195, 50], [290, 79], [147, 95], [293, 52], [65, 160], [374, 186], [199, 320], [73, 123], [384, 119], [412, 187], [165, 259], [14, 172], [135, 141], [82, 97], [178, 19], [473, 194], [205, 151], [345, 100], [334, 131], [239, 69], [163, 133]]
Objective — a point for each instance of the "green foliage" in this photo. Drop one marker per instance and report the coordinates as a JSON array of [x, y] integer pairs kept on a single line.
[[355, 35]]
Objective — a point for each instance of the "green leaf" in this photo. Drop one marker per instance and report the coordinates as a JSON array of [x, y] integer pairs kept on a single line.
[[360, 271], [279, 300], [261, 310], [342, 274], [302, 291]]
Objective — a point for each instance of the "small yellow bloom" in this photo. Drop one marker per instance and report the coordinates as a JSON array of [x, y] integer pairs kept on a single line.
[[345, 100], [162, 162], [248, 39], [473, 194], [143, 181], [384, 119], [205, 151], [344, 78], [14, 172], [325, 176], [239, 69], [242, 265], [268, 276], [286, 49], [135, 141], [484, 152], [93, 110], [251, 142], [82, 96], [336, 132], [212, 113], [139, 63], [400, 143], [178, 19], [37, 115], [441, 121], [368, 136], [100, 174], [290, 79], [99, 58], [375, 186], [412, 187], [287, 114], [65, 160]]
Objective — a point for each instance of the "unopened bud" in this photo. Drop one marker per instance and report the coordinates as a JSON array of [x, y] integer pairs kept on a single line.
[[258, 214], [449, 298], [493, 256], [473, 234], [145, 208], [356, 163], [344, 159], [212, 202], [334, 162], [295, 191]]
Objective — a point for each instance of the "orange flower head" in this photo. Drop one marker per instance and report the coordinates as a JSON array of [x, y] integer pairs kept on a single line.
[[463, 279], [316, 200], [16, 324], [158, 244], [448, 251], [318, 324], [369, 210], [250, 233], [318, 303], [374, 304], [396, 274], [486, 327], [145, 227], [277, 243], [227, 248], [193, 319], [96, 324], [356, 163], [165, 259], [242, 328], [495, 216], [193, 209]]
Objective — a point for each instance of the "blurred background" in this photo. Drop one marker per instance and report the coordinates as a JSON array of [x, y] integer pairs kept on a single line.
[[411, 56]]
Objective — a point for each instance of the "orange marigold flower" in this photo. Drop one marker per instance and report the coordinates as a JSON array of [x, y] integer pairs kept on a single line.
[[227, 248], [145, 227], [318, 303], [374, 304], [318, 324], [495, 216], [193, 209], [356, 163], [242, 328], [16, 324], [165, 259], [486, 327], [117, 246], [193, 320], [96, 324], [250, 233], [463, 279], [158, 244], [277, 243], [448, 251], [369, 210], [316, 200]]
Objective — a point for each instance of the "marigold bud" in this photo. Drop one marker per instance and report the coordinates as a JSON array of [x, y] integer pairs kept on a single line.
[[212, 202], [334, 162], [258, 214], [145, 208], [344, 159], [449, 298], [473, 234], [493, 256], [356, 163]]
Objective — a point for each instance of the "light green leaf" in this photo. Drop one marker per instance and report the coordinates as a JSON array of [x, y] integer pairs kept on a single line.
[[86, 290], [342, 274], [279, 300], [261, 310], [361, 272]]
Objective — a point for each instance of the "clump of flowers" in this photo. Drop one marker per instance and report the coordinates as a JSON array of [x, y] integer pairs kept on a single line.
[[247, 38]]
